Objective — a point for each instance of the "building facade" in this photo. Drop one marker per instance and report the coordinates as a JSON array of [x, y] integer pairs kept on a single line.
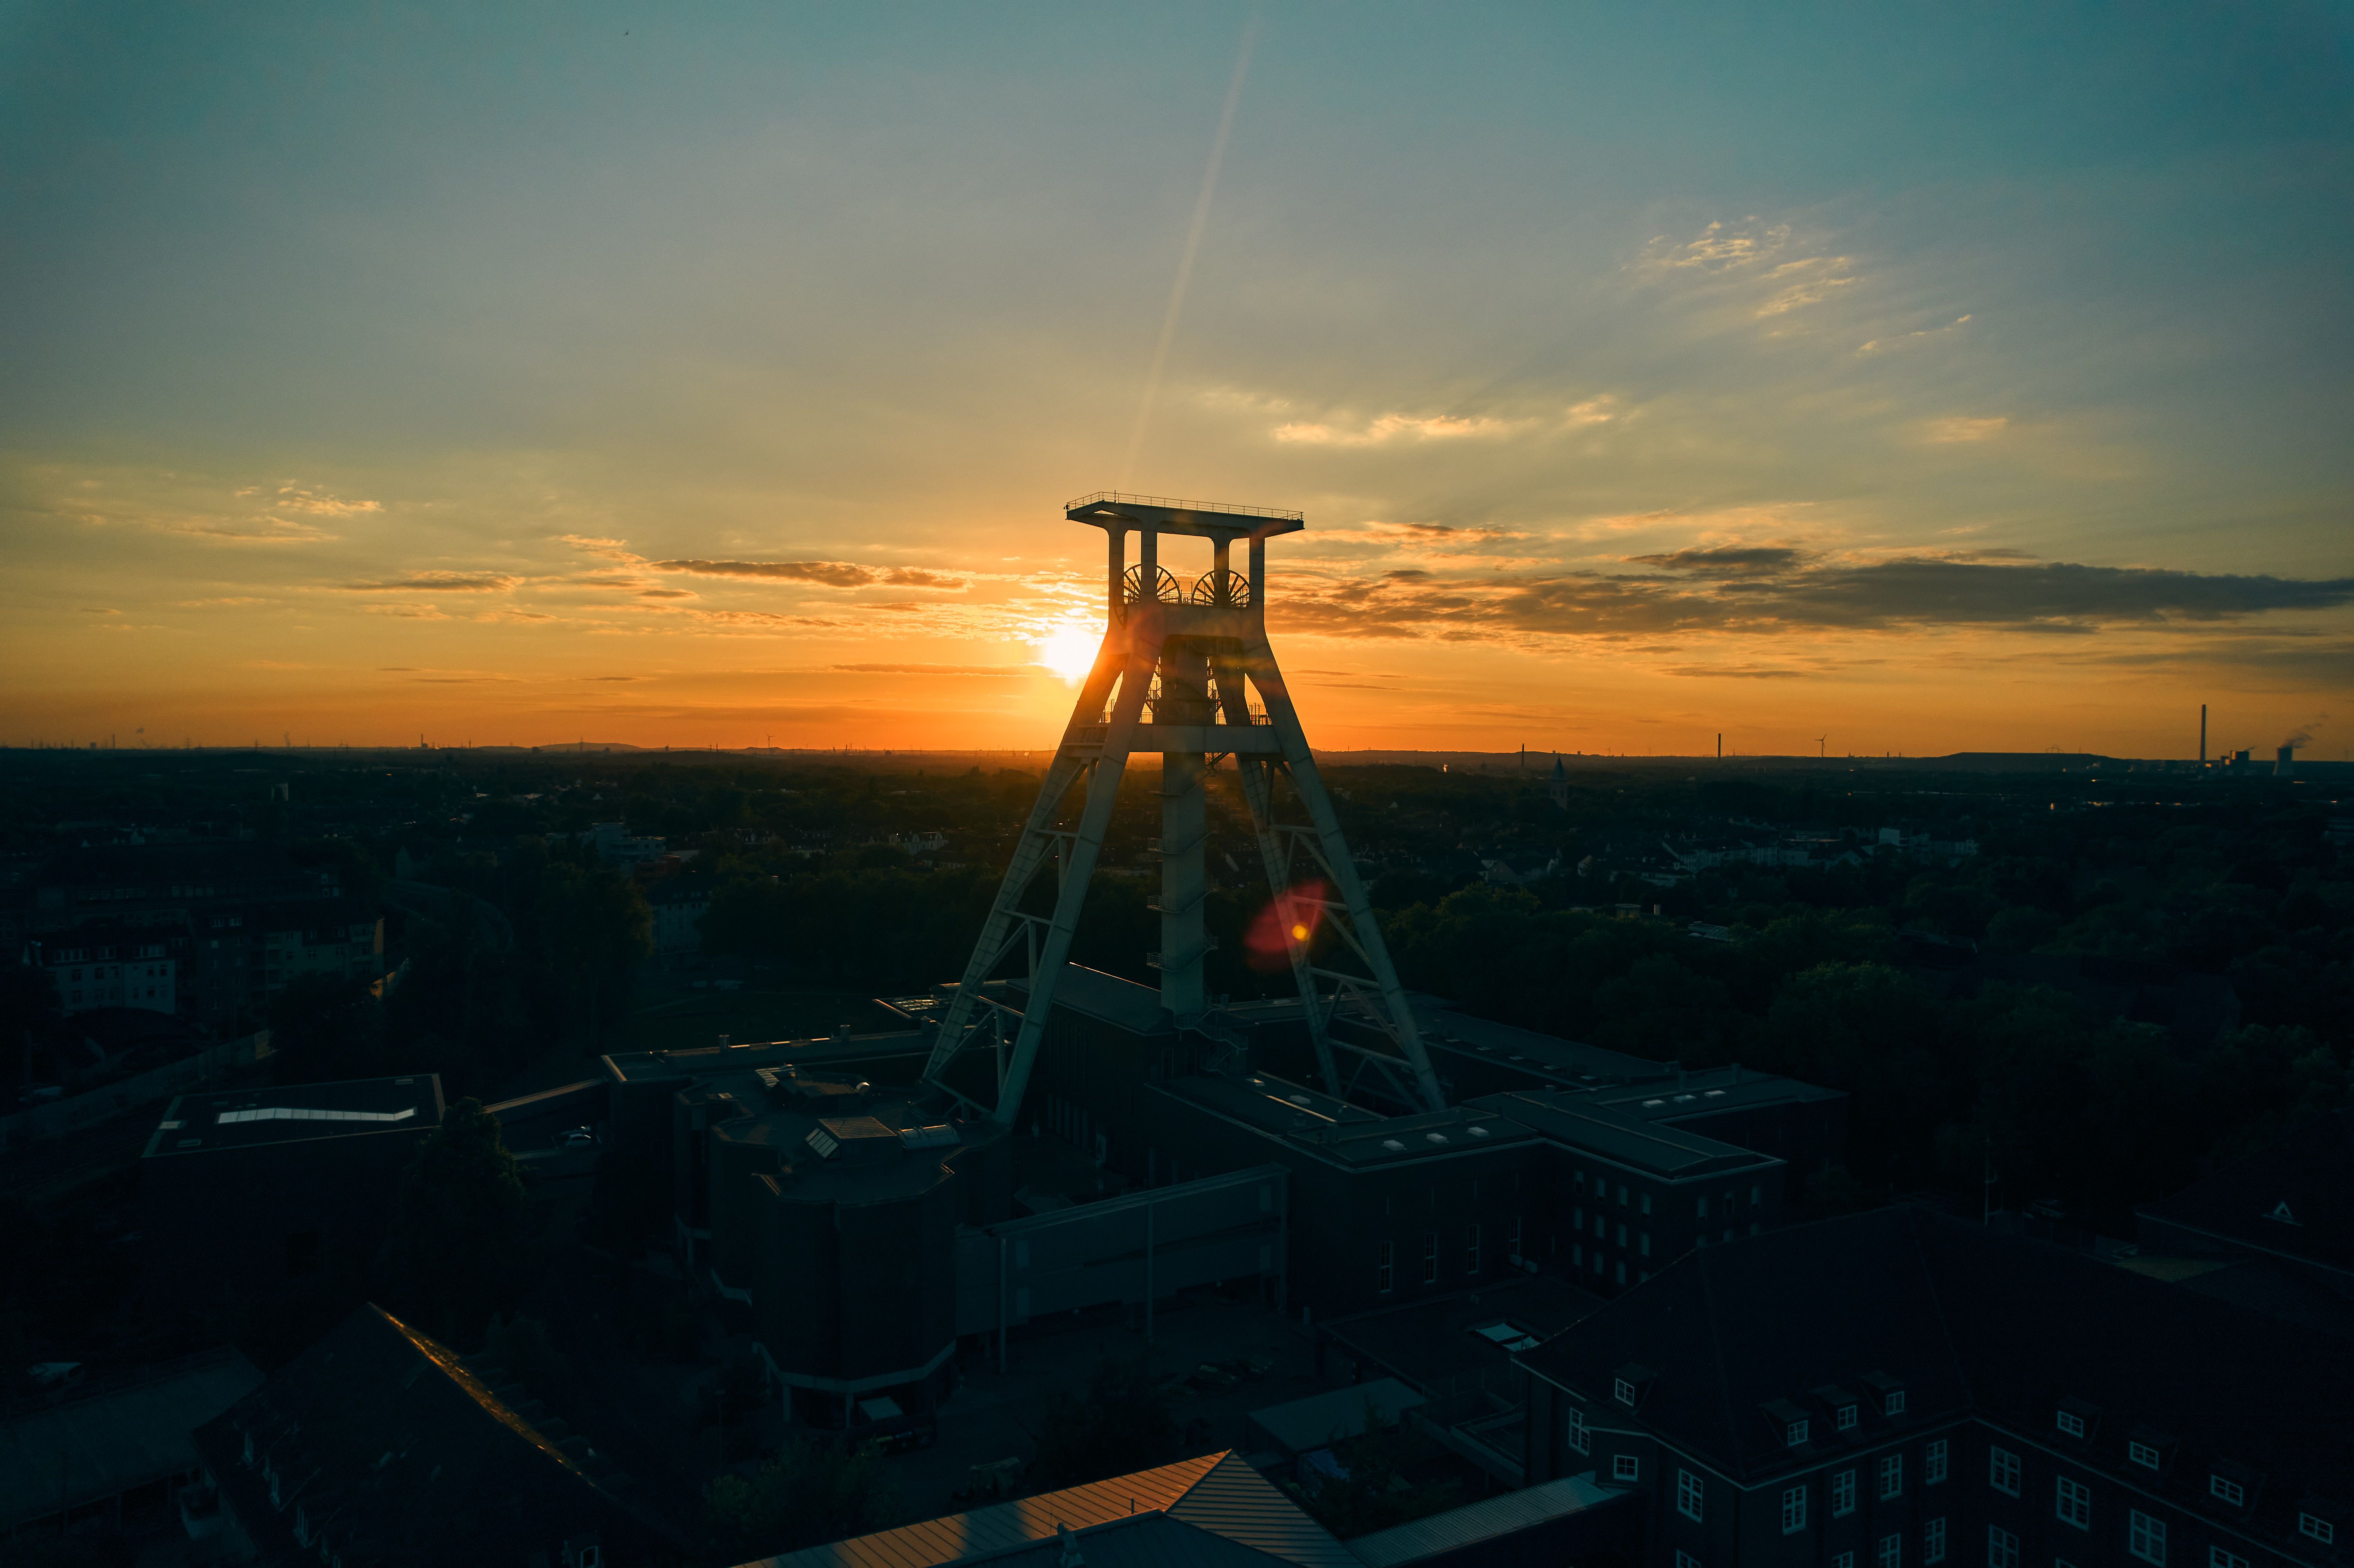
[[1902, 1388]]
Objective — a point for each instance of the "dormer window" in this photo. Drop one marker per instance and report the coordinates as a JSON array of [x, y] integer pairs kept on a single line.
[[1625, 1391], [1845, 1417], [1629, 1382], [1794, 1435], [1894, 1402], [2142, 1454], [2228, 1490], [2316, 1527], [2071, 1423]]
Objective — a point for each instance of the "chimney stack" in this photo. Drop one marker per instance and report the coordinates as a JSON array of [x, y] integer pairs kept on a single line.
[[2284, 761]]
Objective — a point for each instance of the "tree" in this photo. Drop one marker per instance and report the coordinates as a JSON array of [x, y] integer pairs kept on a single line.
[[461, 1245], [323, 1028], [1379, 1490], [1119, 1422], [810, 1493]]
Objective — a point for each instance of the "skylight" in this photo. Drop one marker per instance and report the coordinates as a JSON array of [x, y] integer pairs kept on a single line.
[[301, 1113]]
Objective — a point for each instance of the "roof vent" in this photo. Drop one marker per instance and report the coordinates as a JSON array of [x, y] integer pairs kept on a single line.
[[928, 1136], [1392, 1143], [2281, 1212], [1435, 1137], [825, 1142], [1479, 1132]]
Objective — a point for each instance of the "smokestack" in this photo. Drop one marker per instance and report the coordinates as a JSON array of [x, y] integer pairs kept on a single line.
[[2284, 761], [2203, 735]]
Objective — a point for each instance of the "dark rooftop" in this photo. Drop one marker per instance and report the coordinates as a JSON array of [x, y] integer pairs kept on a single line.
[[244, 1117], [1568, 1117], [1345, 1134], [1967, 1320], [2294, 1199]]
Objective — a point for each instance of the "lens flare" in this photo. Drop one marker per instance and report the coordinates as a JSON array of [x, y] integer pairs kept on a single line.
[[1069, 650], [1290, 920]]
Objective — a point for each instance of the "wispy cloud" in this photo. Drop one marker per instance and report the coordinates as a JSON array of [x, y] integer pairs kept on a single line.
[[1913, 339], [1399, 428], [440, 582], [825, 574], [1961, 427]]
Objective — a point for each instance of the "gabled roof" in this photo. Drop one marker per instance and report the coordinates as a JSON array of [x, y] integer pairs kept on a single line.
[[396, 1453], [1208, 1510], [2294, 1199], [1968, 1322], [129, 1432]]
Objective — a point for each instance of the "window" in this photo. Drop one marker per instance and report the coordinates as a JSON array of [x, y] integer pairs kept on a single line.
[[1894, 1403], [2002, 1470], [1794, 1509], [1430, 1257], [1843, 1559], [1646, 1240], [2145, 1537], [1601, 1227], [1577, 1218], [1626, 1467], [2317, 1527], [1514, 1240], [1647, 1203], [1933, 1463], [1843, 1493], [1756, 1196], [1846, 1417], [2071, 1423], [1576, 1255], [1576, 1436], [2218, 1558], [1890, 1552], [2072, 1501], [1704, 1208], [2142, 1454], [1794, 1434], [1891, 1475], [1622, 1236], [1688, 1495], [1385, 1271], [2002, 1548], [1622, 1271], [1686, 1560], [1624, 1390], [1471, 1251], [2230, 1491], [1622, 1197], [1932, 1541]]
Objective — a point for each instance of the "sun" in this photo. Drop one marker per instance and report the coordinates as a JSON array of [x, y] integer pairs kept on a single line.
[[1069, 650]]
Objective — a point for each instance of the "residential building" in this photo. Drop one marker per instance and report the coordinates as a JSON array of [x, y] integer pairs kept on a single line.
[[679, 905], [1212, 1510], [378, 1445], [1901, 1387], [108, 965]]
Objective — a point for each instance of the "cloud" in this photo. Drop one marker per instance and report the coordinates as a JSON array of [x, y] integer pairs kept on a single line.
[[293, 497], [405, 612], [1729, 561], [1807, 281], [1777, 589], [1733, 672], [1718, 248], [825, 574], [612, 549], [665, 593], [1913, 339], [997, 670], [1963, 427], [440, 582], [1391, 428]]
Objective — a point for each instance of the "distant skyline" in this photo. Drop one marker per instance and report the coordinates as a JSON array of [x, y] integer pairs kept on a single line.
[[1927, 380]]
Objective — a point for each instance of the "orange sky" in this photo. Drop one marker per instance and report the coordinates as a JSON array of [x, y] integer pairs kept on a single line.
[[721, 382]]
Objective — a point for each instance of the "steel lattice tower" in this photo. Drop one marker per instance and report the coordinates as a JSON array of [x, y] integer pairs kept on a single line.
[[1175, 675]]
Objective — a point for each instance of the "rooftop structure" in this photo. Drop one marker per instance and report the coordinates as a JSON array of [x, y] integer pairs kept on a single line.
[[1187, 672], [1212, 1510], [243, 1118]]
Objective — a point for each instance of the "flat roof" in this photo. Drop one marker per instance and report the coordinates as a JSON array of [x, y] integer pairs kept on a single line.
[[703, 1061], [1122, 1003], [1575, 1121], [1571, 1061], [1711, 1090], [1345, 1134], [299, 1113]]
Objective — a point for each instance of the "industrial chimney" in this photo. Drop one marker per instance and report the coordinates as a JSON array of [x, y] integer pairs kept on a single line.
[[2284, 761]]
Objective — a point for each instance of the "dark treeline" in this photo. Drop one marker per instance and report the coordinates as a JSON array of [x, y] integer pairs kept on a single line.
[[1987, 1009]]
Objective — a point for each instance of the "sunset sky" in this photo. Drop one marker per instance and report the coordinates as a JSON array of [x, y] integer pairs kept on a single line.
[[1921, 378]]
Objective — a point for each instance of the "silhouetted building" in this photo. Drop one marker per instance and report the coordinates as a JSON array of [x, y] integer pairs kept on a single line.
[[378, 1446], [276, 1194], [1900, 1387]]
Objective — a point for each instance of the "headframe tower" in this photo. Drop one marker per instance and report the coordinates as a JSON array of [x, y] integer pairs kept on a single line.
[[1176, 675]]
